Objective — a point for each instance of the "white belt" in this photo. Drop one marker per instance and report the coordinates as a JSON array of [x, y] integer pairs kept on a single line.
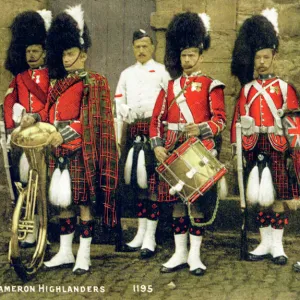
[[176, 126], [264, 129]]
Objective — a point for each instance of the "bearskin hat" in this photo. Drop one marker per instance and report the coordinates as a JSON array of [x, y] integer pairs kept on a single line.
[[68, 30], [257, 33], [28, 28], [186, 30]]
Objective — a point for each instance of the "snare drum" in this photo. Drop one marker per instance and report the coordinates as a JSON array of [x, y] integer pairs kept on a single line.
[[191, 170]]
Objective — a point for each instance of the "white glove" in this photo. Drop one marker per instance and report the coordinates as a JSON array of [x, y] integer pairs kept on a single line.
[[127, 114], [18, 112]]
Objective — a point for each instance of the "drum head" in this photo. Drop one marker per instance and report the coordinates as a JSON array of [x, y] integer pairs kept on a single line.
[[33, 136]]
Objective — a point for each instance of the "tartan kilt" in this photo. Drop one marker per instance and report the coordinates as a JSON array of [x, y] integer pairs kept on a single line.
[[140, 128], [285, 187], [79, 183]]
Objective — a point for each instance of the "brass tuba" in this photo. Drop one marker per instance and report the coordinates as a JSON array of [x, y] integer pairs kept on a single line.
[[32, 200]]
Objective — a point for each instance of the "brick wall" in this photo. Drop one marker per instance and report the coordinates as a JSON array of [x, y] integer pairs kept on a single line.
[[226, 18]]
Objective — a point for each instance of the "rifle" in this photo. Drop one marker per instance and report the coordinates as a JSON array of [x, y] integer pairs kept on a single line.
[[244, 211], [5, 155]]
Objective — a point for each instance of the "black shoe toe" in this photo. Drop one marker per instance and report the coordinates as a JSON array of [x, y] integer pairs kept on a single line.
[[127, 248], [146, 253], [164, 269], [296, 267], [254, 257], [80, 271], [279, 260], [198, 272]]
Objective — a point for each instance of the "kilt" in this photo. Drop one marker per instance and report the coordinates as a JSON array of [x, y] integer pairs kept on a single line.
[[75, 163], [140, 128], [285, 188]]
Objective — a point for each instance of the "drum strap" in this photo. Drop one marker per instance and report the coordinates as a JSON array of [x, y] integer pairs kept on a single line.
[[179, 93], [181, 101]]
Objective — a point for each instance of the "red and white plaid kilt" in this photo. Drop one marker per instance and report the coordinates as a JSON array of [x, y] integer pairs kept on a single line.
[[284, 189], [140, 127], [79, 184]]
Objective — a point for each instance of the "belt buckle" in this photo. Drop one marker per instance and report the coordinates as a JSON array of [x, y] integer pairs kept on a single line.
[[263, 129]]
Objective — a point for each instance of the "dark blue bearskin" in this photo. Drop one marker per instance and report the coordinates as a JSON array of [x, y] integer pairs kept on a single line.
[[186, 30], [64, 34], [255, 34], [28, 28]]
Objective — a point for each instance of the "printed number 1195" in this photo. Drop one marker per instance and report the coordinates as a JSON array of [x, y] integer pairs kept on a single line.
[[142, 288]]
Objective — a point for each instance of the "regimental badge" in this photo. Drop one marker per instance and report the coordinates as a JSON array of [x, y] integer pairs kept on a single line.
[[196, 86], [274, 89]]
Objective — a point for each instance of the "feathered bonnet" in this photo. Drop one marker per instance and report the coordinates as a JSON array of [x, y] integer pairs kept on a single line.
[[68, 30], [186, 30], [28, 28], [257, 33]]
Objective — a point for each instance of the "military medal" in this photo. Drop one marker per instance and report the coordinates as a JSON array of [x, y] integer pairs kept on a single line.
[[196, 86], [274, 89]]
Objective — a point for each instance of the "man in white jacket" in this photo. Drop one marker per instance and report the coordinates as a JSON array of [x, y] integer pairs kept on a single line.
[[137, 90]]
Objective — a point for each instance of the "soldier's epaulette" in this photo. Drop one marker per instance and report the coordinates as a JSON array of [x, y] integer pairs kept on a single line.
[[292, 86]]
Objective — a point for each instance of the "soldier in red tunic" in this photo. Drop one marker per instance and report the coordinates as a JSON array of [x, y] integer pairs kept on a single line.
[[27, 91], [200, 112], [84, 157], [259, 109], [26, 61]]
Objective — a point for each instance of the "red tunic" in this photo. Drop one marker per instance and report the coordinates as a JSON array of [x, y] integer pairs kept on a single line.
[[260, 111], [82, 103], [205, 98], [19, 93], [271, 144]]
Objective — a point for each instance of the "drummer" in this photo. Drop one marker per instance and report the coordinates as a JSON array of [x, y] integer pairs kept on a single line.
[[200, 113]]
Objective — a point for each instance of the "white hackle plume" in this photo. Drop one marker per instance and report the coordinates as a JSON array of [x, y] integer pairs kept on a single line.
[[24, 168], [141, 170], [47, 16], [128, 166], [54, 187], [64, 199], [77, 13], [266, 190], [206, 21], [272, 16], [252, 191], [222, 188]]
